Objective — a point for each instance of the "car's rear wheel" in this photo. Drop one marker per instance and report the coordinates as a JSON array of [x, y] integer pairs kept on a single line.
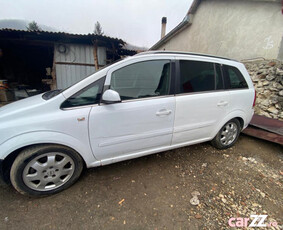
[[45, 169], [228, 135]]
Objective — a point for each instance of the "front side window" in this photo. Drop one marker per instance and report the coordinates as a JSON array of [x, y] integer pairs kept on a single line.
[[88, 96], [233, 78], [197, 76], [143, 79]]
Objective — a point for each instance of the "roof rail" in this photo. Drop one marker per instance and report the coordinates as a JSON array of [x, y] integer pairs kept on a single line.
[[182, 53]]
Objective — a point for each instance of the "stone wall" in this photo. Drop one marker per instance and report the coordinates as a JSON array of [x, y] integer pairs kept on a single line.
[[267, 77]]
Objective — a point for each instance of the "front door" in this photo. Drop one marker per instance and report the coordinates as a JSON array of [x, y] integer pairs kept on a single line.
[[143, 121]]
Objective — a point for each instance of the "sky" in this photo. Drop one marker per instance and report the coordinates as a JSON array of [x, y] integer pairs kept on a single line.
[[137, 22]]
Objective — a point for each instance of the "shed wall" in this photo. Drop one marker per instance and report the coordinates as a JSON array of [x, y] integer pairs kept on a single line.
[[76, 63]]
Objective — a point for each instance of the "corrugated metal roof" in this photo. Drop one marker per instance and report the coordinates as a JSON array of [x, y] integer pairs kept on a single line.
[[57, 36]]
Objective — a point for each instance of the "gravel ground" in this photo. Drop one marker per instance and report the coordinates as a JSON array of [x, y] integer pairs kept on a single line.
[[155, 192]]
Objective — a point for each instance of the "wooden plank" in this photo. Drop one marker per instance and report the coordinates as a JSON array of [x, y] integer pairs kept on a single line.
[[269, 124], [74, 63], [53, 85], [265, 135], [6, 96]]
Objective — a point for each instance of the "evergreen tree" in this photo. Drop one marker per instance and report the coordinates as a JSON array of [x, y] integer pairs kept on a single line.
[[32, 26], [98, 29]]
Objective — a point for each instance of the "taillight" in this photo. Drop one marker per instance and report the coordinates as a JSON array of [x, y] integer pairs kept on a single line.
[[254, 99]]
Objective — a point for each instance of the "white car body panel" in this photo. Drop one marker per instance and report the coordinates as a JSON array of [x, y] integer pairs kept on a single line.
[[130, 127], [36, 121], [147, 152], [197, 115], [104, 134]]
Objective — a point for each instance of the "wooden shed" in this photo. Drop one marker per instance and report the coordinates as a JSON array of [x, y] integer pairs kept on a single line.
[[41, 60]]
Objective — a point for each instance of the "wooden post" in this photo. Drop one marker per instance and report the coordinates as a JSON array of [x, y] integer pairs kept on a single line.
[[95, 56], [113, 51], [53, 86]]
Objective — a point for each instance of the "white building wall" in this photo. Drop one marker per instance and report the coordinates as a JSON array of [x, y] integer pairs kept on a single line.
[[238, 29], [76, 63]]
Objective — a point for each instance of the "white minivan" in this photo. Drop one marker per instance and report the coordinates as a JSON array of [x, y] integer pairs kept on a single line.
[[151, 102]]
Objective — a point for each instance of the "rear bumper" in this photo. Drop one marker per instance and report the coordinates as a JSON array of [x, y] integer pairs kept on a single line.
[[249, 118]]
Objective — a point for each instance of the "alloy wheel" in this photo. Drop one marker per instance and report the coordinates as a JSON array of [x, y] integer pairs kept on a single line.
[[229, 133], [48, 171]]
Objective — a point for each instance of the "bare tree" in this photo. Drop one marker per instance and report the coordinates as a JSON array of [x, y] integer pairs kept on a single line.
[[98, 29], [33, 26]]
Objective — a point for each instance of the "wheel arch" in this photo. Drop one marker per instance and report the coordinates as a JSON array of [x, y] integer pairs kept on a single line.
[[241, 120], [9, 160], [12, 148], [238, 114]]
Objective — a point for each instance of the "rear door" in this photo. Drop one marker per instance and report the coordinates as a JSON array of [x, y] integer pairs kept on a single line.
[[241, 95], [143, 121], [201, 101]]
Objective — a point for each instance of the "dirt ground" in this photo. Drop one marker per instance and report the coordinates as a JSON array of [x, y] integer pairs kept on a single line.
[[154, 192]]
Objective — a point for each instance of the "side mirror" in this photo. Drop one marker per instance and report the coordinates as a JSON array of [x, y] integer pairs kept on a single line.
[[110, 96]]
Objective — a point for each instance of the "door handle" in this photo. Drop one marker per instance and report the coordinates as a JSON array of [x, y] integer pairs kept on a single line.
[[222, 103], [163, 112]]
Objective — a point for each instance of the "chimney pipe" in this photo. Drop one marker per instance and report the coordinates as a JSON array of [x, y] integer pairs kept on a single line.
[[163, 26]]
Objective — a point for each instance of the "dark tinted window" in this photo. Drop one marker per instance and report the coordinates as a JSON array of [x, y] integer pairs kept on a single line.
[[233, 78], [199, 76], [143, 79], [88, 96]]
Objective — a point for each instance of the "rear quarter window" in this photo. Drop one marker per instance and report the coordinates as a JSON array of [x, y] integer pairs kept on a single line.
[[234, 78]]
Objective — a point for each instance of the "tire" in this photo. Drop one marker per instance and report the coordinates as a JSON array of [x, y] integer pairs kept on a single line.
[[45, 170], [228, 135]]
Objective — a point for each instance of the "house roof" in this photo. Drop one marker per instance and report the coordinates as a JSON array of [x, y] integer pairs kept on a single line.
[[188, 21], [47, 36]]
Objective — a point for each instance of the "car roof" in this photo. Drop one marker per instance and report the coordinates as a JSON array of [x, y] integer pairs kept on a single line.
[[180, 53]]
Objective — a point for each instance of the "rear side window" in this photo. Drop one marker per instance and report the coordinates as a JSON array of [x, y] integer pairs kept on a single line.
[[197, 76], [233, 78]]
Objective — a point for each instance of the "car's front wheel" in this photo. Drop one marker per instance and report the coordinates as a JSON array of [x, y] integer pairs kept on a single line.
[[45, 169], [228, 135]]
